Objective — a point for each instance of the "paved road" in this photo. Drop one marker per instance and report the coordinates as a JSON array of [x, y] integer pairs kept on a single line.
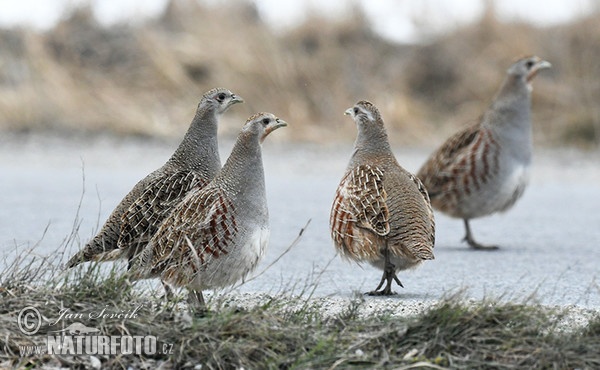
[[550, 241]]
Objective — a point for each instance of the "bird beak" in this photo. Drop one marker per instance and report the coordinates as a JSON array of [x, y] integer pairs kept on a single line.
[[541, 64], [236, 99], [348, 112], [278, 124]]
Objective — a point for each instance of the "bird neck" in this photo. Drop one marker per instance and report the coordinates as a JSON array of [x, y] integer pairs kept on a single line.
[[243, 172], [199, 147], [512, 104], [371, 141], [509, 117]]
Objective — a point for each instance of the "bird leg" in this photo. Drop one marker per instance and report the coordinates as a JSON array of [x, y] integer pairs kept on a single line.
[[471, 241], [389, 276], [196, 301], [169, 295]]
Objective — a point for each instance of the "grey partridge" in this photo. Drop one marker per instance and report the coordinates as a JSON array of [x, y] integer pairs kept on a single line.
[[137, 217], [381, 212], [484, 168], [217, 234]]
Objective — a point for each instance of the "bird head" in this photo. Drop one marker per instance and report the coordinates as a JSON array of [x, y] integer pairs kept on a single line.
[[527, 68], [365, 115], [220, 99], [263, 124], [369, 123]]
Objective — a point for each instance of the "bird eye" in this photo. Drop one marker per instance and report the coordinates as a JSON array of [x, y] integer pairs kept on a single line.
[[266, 121], [356, 110], [529, 64], [221, 97]]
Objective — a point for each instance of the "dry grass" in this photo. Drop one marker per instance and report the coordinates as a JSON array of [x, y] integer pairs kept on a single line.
[[146, 79], [287, 332]]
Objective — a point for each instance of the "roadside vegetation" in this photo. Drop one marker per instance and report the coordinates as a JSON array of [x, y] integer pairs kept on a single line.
[[283, 332]]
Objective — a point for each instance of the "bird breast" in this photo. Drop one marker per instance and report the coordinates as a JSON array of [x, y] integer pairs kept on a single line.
[[235, 265], [500, 195], [513, 187]]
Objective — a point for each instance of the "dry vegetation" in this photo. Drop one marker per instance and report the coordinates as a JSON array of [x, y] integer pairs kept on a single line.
[[282, 332], [146, 78]]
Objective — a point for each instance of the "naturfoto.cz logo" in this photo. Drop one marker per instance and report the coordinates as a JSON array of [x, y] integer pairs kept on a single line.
[[79, 339]]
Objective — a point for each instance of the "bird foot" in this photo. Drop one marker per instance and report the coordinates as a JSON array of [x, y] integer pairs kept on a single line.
[[382, 292], [473, 244], [471, 241], [199, 312], [389, 275]]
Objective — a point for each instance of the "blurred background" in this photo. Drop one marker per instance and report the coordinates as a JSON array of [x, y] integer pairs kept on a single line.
[[138, 68]]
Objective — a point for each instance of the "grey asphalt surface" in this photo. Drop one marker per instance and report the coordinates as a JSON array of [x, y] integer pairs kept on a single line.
[[550, 241]]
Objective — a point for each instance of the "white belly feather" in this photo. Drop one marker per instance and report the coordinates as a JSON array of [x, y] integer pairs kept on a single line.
[[231, 267]]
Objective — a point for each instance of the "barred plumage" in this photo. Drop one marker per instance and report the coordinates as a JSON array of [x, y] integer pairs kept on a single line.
[[194, 163], [484, 168], [216, 235], [199, 229], [359, 209], [464, 166], [381, 213], [141, 221]]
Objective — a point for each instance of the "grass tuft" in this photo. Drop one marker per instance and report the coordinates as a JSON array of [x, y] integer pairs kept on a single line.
[[283, 332]]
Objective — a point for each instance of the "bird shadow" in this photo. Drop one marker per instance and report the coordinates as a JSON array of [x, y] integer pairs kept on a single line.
[[397, 295], [466, 248]]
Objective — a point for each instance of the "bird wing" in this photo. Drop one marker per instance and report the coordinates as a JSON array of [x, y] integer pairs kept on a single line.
[[369, 199], [424, 251], [448, 162], [104, 246], [197, 231], [143, 218], [359, 206]]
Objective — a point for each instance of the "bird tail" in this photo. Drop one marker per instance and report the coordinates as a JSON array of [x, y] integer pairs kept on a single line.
[[93, 252], [424, 252]]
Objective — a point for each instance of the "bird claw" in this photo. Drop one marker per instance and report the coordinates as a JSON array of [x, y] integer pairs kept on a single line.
[[471, 241], [398, 281], [388, 276], [383, 292], [473, 244], [485, 247]]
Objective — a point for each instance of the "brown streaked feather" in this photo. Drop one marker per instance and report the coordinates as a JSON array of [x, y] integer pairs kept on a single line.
[[448, 162], [412, 232], [465, 159], [198, 230], [104, 246], [462, 166], [425, 250], [359, 216], [143, 218]]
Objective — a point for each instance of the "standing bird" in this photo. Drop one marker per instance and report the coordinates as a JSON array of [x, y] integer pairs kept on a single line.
[[137, 217], [381, 212], [484, 168], [217, 234]]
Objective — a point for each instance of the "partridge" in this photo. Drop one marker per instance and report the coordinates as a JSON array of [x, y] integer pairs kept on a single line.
[[217, 234], [137, 217], [381, 212], [484, 168]]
